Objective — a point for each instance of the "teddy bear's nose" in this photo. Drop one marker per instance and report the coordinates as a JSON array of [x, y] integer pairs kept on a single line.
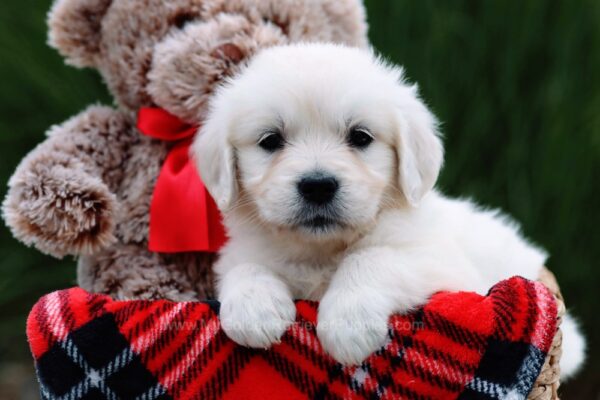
[[318, 188]]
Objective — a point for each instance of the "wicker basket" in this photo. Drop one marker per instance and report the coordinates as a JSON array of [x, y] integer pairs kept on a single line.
[[546, 386]]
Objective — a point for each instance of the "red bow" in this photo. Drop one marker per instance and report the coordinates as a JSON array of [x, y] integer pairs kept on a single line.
[[183, 215]]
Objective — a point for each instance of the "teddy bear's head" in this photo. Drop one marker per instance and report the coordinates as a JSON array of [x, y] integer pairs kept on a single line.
[[172, 53]]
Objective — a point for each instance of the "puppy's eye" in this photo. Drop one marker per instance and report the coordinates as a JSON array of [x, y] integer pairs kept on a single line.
[[272, 142], [360, 137]]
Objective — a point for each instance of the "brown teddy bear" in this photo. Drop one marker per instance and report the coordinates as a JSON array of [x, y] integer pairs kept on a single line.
[[87, 189]]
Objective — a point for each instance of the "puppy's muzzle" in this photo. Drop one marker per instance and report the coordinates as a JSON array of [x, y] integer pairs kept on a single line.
[[318, 188]]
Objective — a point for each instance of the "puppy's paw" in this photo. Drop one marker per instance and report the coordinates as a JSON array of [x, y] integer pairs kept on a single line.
[[257, 315], [351, 327]]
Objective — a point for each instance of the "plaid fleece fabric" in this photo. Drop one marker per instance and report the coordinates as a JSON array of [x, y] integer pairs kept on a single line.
[[458, 346]]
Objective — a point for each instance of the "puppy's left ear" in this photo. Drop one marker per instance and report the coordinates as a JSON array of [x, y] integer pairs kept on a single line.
[[420, 150], [215, 160]]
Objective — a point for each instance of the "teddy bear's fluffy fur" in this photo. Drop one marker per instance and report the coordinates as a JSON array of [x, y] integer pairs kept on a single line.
[[86, 190]]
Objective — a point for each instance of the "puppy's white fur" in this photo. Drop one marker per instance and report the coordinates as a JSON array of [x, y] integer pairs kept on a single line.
[[394, 241]]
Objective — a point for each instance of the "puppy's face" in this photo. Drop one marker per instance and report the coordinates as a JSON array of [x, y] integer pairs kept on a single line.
[[320, 138], [310, 170]]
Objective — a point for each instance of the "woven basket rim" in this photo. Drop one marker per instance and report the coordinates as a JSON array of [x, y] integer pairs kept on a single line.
[[548, 382]]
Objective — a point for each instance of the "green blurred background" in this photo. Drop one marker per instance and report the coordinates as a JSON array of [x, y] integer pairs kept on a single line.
[[515, 83]]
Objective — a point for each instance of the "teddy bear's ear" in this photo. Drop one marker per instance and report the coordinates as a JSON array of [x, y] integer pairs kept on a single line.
[[347, 21], [75, 29]]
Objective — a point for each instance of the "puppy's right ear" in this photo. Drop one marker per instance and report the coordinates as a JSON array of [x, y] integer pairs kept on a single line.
[[215, 160], [75, 29]]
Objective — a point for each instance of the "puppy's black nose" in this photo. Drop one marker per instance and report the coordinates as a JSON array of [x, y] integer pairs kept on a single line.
[[318, 188]]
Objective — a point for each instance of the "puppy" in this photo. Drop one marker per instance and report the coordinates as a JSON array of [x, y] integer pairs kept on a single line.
[[322, 160]]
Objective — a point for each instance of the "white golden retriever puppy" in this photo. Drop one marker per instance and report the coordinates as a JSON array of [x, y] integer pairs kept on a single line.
[[322, 160]]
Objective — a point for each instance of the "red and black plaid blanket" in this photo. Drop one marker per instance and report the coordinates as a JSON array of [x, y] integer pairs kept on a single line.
[[458, 346]]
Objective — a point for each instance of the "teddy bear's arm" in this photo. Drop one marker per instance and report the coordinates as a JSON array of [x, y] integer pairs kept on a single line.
[[61, 197]]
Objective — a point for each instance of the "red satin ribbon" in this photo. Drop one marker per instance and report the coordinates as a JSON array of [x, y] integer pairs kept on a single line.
[[183, 215]]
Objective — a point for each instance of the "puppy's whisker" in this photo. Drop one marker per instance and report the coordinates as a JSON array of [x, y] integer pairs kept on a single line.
[[252, 218], [241, 204]]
